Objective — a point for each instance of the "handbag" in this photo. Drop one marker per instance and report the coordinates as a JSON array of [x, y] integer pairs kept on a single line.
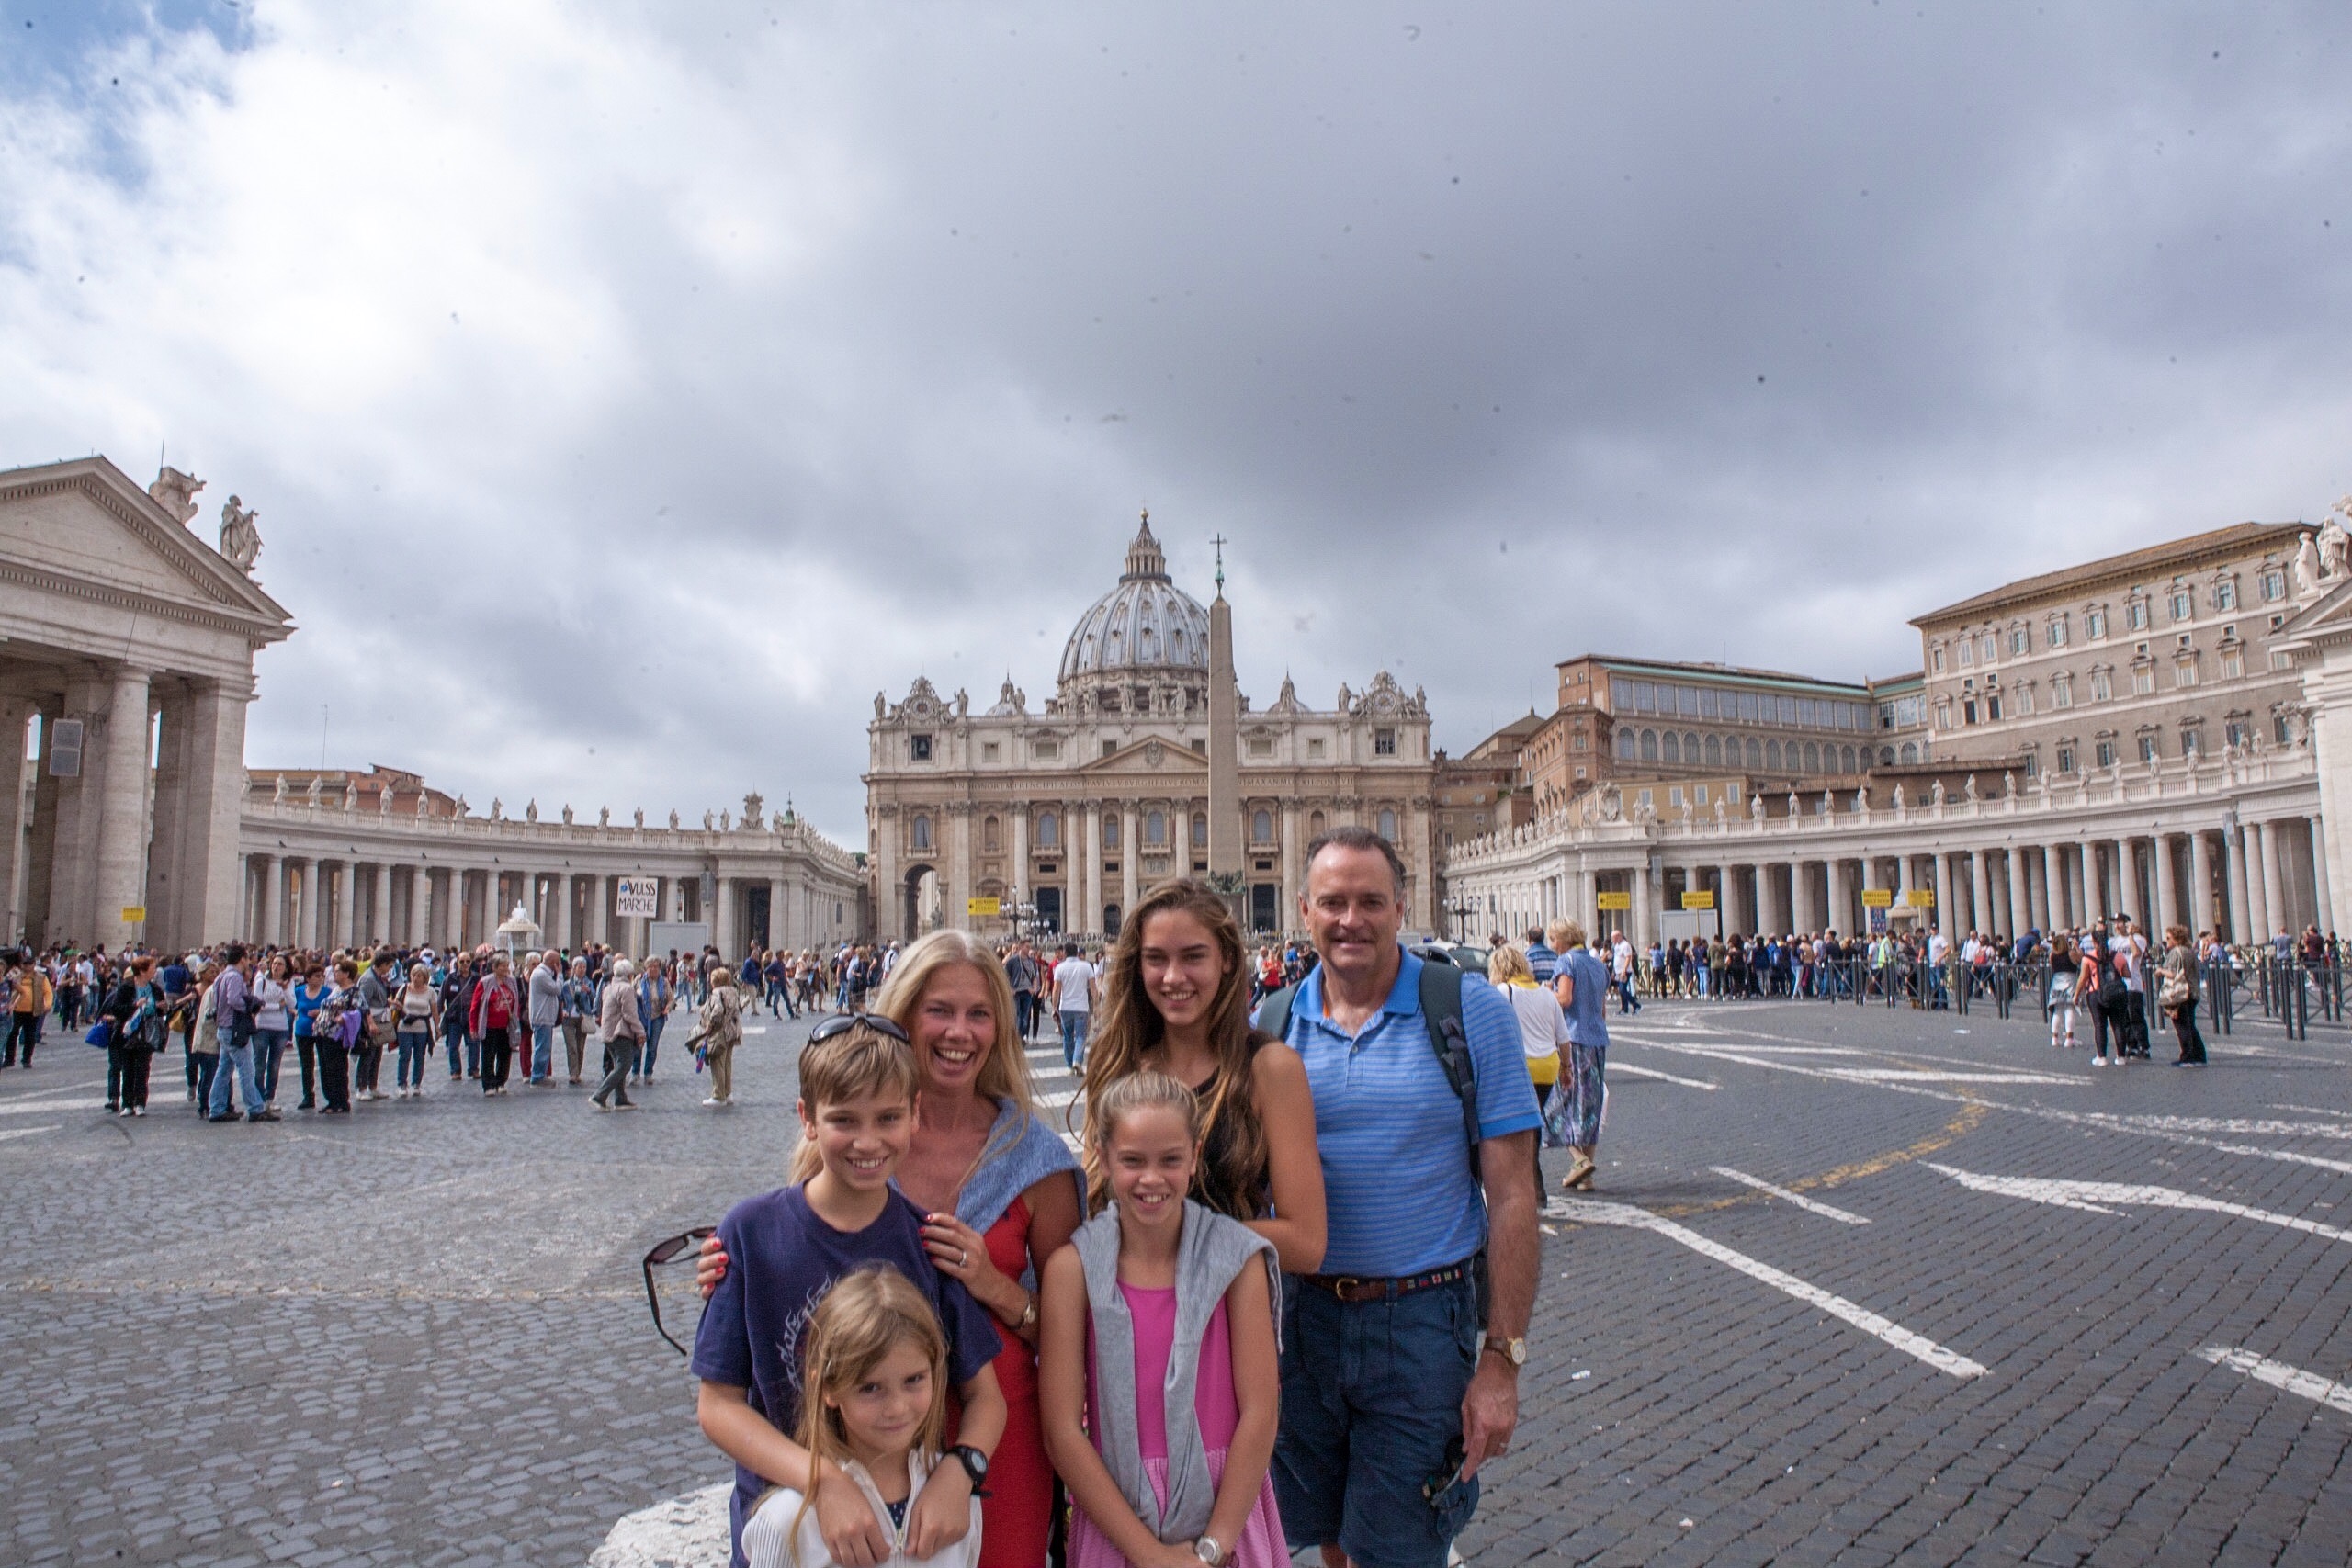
[[101, 1033]]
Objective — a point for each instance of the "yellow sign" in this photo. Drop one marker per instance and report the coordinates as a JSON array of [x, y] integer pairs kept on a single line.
[[133, 914], [1878, 898], [983, 905], [1919, 897], [1616, 901], [1698, 900]]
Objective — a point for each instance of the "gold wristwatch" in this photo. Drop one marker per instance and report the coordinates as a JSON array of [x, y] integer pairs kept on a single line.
[[1512, 1351]]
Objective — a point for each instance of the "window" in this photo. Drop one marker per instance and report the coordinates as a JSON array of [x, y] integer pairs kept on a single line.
[[1689, 748], [1772, 755], [1986, 647], [1754, 753], [1968, 707], [1674, 796], [2106, 752], [2056, 637], [2032, 763], [2279, 732], [1715, 752], [2184, 604], [1812, 758], [2183, 670], [1384, 743], [2094, 622], [1155, 827], [1650, 745], [1109, 746], [1200, 744], [1261, 746], [2066, 757], [2136, 615], [991, 836], [2282, 659], [1748, 706], [2102, 685], [2144, 679], [1943, 712], [1580, 741], [1110, 832], [2236, 731], [2020, 641], [1047, 751], [919, 747], [2192, 743], [1685, 701], [1315, 746], [2232, 664], [1049, 831], [1386, 826], [1670, 748], [1621, 694], [2273, 585], [1910, 753], [1967, 651], [919, 832], [1699, 794], [1200, 832], [1707, 701], [1261, 826], [2151, 748], [2062, 693], [1935, 658], [1315, 825], [991, 752], [2024, 699], [2225, 594], [1846, 759], [1628, 743]]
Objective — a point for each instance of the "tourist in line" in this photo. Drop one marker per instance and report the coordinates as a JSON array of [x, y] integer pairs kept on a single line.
[[303, 998], [1579, 986], [623, 1033], [2177, 996], [273, 1022], [376, 987], [457, 1036], [419, 1018], [135, 1016], [546, 1002], [337, 1028], [2066, 977], [233, 1011], [653, 1003], [720, 1029], [1074, 987], [575, 1006], [498, 1013]]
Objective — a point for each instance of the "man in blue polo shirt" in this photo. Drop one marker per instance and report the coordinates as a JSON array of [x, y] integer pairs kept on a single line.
[[1390, 1399]]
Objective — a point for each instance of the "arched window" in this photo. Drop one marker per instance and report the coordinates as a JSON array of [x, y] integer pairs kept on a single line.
[[1388, 825], [1672, 751], [1691, 749], [1049, 831], [1626, 743], [1715, 750], [1110, 830], [1755, 752], [1155, 827], [1650, 745], [1261, 826], [1846, 759], [1772, 755], [920, 830], [1910, 753], [1200, 832], [991, 835], [1315, 826], [1812, 758]]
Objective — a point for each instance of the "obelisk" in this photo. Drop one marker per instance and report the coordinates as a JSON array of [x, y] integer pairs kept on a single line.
[[1225, 746]]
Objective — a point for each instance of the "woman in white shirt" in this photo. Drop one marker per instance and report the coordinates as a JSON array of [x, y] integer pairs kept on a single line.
[[1543, 1030]]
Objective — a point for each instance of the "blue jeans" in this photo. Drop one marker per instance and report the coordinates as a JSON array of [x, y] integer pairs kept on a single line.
[[408, 1072], [652, 1045], [1024, 1012], [1372, 1395], [236, 1061], [542, 1051], [1074, 1039], [456, 1043], [269, 1049]]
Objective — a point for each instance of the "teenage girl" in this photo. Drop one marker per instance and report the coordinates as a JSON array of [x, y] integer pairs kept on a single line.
[[1158, 1375], [875, 1363], [2064, 976]]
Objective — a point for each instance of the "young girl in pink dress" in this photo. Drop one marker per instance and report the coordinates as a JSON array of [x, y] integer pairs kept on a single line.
[[1159, 1381]]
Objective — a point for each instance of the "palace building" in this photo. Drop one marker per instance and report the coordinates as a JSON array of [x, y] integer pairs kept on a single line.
[[1146, 764]]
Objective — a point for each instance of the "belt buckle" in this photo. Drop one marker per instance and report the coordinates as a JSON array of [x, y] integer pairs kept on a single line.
[[1345, 1286]]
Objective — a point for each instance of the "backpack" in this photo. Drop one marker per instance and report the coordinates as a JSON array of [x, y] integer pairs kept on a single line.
[[1441, 1015]]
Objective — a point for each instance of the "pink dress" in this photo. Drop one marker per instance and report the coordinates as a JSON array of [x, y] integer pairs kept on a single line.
[[1154, 1313]]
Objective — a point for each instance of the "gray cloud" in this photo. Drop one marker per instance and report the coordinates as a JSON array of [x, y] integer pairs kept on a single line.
[[666, 381]]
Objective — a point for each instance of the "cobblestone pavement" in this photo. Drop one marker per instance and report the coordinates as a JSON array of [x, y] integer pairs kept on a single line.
[[418, 1335]]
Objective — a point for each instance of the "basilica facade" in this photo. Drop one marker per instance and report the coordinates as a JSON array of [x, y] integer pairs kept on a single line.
[[1059, 818]]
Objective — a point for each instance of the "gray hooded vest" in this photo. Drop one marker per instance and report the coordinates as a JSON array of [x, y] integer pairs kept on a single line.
[[1210, 1254]]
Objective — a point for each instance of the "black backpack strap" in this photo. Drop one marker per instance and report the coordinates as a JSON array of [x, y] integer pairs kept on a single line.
[[1441, 1013]]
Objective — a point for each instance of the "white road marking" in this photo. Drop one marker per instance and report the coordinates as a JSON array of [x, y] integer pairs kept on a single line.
[[43, 1109], [2279, 1375], [1632, 1071], [2093, 1195], [54, 1093], [27, 1132], [1809, 1205], [687, 1531], [1591, 1212], [1908, 1074]]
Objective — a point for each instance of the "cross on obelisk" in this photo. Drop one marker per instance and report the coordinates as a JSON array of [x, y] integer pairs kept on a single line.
[[1220, 541]]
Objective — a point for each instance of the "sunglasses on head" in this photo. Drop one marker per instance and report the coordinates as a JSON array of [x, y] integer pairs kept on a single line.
[[841, 1023], [670, 1251]]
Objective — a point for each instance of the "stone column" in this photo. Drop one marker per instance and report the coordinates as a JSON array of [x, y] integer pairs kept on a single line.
[[381, 900], [1130, 860], [779, 918], [339, 928], [1293, 862], [2319, 876], [1091, 912], [2240, 910], [2127, 874], [15, 719], [268, 926], [122, 812], [1869, 884], [1726, 917], [1018, 885], [1980, 893], [2168, 890], [955, 891], [1799, 899], [2049, 894], [2020, 892], [2274, 884], [2199, 915]]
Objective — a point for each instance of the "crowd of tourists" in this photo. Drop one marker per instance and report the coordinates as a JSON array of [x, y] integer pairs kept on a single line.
[[1275, 1300]]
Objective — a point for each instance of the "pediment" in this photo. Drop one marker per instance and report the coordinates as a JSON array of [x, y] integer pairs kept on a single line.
[[1153, 756], [83, 525], [2326, 619]]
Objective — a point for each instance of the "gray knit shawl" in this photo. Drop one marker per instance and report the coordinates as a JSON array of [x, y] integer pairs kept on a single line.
[[1210, 1254]]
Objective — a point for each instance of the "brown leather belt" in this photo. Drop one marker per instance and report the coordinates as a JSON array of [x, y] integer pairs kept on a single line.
[[1352, 1289]]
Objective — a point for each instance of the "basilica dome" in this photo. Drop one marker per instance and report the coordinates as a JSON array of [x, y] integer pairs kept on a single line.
[[1145, 626]]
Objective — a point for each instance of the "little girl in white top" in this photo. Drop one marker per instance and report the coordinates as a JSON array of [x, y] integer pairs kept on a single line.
[[875, 1408]]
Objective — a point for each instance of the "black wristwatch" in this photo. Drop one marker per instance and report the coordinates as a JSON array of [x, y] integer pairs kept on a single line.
[[976, 1465]]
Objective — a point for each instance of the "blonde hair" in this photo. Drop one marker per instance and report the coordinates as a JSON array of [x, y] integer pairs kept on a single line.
[[1506, 963], [1564, 935], [850, 1065], [1144, 1090], [869, 1313], [1004, 1073]]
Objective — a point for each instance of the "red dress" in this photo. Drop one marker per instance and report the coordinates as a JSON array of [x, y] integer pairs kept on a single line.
[[1016, 1517]]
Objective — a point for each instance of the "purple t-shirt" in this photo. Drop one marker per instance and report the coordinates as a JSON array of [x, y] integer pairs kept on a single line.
[[781, 1259]]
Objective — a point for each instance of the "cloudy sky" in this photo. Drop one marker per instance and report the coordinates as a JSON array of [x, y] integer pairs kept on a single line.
[[629, 392]]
